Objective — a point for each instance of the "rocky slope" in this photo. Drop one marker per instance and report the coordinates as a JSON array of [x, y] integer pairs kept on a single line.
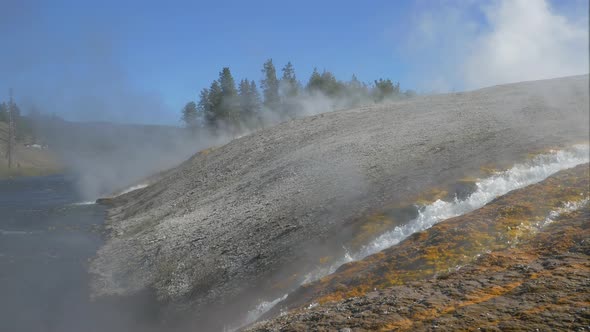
[[539, 290], [232, 225], [513, 264]]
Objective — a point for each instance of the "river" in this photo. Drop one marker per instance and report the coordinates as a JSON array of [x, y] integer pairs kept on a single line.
[[47, 237]]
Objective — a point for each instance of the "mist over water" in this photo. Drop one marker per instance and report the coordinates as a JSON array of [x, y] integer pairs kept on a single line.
[[106, 158], [46, 240], [110, 158]]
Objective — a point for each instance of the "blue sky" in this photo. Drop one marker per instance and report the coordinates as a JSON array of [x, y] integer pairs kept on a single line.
[[142, 60]]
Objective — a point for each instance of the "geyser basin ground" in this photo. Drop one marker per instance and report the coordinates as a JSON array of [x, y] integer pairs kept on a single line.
[[519, 263], [496, 185], [211, 235]]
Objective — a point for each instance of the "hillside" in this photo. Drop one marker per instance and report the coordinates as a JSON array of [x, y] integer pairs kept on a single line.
[[513, 264], [248, 220]]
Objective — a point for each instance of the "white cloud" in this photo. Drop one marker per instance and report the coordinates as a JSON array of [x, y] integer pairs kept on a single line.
[[526, 41], [472, 44]]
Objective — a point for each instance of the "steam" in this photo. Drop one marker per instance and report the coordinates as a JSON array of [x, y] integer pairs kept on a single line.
[[110, 158], [73, 66], [84, 203], [481, 44], [75, 72], [134, 188], [262, 308], [527, 41], [80, 75]]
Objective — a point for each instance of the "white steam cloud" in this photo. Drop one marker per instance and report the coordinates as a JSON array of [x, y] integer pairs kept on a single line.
[[528, 41], [477, 44]]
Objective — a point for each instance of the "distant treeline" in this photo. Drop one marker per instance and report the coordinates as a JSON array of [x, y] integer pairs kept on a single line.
[[225, 108], [24, 127]]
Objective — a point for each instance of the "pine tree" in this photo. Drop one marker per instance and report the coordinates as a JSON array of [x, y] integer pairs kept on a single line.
[[354, 83], [325, 83], [253, 99], [270, 86], [385, 89], [227, 83], [289, 84], [315, 81], [190, 115], [330, 86], [244, 93], [249, 102], [204, 106], [229, 99], [213, 116]]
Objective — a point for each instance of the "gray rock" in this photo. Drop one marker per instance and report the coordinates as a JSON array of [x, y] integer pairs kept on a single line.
[[226, 227]]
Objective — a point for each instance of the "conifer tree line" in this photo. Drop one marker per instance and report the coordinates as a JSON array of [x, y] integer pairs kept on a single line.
[[24, 124], [229, 107]]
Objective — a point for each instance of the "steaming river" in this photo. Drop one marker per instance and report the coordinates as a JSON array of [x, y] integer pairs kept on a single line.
[[46, 240]]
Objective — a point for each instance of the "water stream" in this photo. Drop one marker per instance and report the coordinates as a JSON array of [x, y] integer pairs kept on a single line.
[[487, 189]]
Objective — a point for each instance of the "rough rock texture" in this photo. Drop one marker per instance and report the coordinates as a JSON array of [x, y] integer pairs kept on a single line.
[[229, 222], [503, 223], [529, 273]]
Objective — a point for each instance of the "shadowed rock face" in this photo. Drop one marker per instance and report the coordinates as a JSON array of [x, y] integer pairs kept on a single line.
[[229, 222], [518, 271]]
